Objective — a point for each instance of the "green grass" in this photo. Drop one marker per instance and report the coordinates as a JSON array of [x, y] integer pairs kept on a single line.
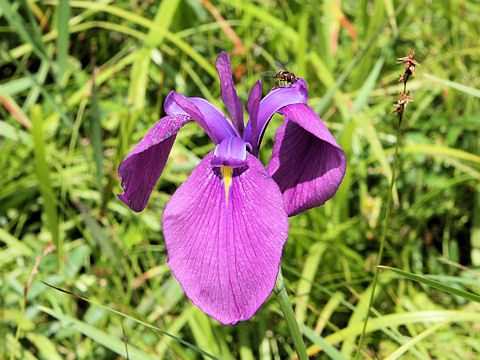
[[80, 84]]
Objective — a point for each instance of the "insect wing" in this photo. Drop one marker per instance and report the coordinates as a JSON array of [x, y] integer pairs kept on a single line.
[[279, 65], [268, 74]]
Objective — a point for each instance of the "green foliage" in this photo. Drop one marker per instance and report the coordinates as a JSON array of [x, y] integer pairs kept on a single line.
[[82, 81]]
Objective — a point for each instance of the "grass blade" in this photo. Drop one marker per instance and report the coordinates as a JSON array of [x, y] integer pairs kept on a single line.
[[137, 19], [16, 21], [96, 131], [44, 345], [187, 344], [455, 85], [34, 93], [320, 341], [63, 15], [438, 151], [433, 283], [45, 93], [399, 319], [101, 337], [405, 347], [312, 261], [154, 38], [322, 107], [43, 176], [16, 111], [97, 231]]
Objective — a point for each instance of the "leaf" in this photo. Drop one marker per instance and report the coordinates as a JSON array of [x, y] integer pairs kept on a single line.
[[141, 322], [45, 93], [455, 85], [97, 231], [63, 15], [408, 345], [438, 151], [76, 258], [13, 243], [433, 283], [312, 261], [320, 341], [43, 177], [17, 22], [101, 337], [322, 107], [154, 38], [137, 19], [96, 130], [45, 346]]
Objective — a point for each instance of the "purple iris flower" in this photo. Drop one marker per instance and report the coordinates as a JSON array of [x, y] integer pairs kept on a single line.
[[225, 227]]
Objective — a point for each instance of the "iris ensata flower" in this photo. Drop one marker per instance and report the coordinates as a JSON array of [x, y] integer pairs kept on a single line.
[[225, 227]]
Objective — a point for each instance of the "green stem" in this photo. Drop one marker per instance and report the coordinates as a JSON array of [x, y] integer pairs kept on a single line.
[[382, 237], [289, 315], [16, 342]]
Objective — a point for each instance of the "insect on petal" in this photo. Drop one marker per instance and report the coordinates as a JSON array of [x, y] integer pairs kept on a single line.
[[270, 104]]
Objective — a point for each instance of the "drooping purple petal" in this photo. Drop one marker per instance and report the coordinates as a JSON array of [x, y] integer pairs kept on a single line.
[[230, 152], [253, 105], [212, 120], [307, 163], [270, 104], [224, 237], [140, 170], [229, 93]]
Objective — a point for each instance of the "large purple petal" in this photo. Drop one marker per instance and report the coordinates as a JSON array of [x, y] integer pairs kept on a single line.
[[230, 152], [140, 170], [229, 93], [307, 163], [270, 104], [224, 232], [212, 120]]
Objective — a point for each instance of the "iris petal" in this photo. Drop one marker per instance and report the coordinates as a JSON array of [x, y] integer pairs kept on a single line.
[[213, 121], [230, 152], [140, 170], [253, 105], [171, 107], [229, 93], [270, 104], [226, 254], [307, 163]]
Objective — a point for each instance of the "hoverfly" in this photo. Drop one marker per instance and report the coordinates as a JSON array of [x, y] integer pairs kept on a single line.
[[282, 76]]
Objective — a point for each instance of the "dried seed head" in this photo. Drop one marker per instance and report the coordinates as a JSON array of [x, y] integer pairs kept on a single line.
[[404, 98], [402, 102], [409, 62], [403, 78]]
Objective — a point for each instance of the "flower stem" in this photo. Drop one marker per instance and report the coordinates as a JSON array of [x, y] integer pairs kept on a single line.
[[383, 236], [289, 315]]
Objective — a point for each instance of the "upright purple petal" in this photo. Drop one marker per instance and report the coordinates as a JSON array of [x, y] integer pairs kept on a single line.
[[212, 120], [229, 93], [224, 230], [171, 107], [230, 152], [307, 163], [253, 105], [270, 104], [140, 170]]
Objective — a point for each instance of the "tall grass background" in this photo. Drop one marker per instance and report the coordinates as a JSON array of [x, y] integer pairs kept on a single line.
[[82, 81]]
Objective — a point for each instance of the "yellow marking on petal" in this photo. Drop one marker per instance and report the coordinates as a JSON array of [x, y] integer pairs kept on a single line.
[[227, 179]]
